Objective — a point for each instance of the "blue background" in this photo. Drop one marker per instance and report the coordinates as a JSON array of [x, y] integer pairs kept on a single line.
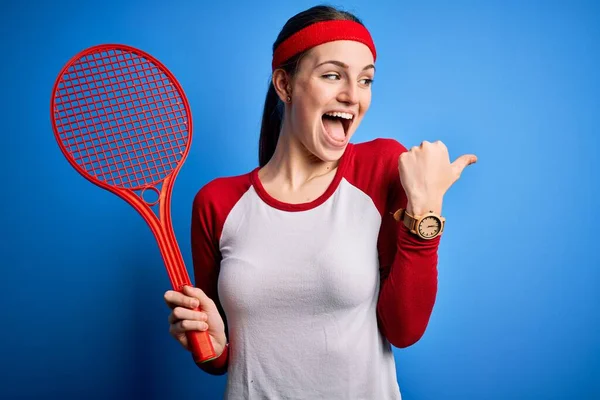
[[517, 315]]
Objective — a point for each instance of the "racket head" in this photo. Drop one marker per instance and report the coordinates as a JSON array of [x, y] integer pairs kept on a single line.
[[121, 118]]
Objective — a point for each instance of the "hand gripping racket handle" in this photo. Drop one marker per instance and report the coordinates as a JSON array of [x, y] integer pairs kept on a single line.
[[199, 342], [200, 345]]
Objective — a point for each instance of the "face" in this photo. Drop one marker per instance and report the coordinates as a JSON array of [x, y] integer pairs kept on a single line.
[[333, 77]]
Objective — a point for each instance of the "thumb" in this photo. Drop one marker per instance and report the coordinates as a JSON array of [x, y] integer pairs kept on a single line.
[[462, 162]]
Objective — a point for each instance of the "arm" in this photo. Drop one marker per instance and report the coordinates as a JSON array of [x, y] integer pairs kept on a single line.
[[408, 267], [206, 262]]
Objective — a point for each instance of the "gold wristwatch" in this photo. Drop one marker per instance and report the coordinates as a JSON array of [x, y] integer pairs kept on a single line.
[[427, 226]]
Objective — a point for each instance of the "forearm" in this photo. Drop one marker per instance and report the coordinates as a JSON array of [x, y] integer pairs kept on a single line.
[[408, 293]]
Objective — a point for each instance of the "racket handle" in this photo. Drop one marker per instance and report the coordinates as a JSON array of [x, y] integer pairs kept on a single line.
[[201, 346]]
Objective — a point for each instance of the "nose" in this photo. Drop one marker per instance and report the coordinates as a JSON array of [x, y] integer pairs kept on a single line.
[[349, 93]]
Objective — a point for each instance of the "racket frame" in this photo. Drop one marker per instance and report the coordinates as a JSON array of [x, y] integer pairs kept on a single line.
[[162, 226]]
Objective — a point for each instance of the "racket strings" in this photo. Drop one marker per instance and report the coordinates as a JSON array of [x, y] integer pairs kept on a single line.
[[121, 119], [147, 114]]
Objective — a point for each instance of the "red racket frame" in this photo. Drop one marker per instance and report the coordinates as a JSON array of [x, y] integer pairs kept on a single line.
[[161, 226]]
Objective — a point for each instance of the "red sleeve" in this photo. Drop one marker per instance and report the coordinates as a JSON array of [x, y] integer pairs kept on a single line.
[[408, 266], [206, 258]]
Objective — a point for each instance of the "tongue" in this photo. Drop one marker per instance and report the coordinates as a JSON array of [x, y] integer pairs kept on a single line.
[[334, 127]]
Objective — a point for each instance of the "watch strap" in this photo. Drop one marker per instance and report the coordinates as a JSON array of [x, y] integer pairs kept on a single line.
[[403, 216]]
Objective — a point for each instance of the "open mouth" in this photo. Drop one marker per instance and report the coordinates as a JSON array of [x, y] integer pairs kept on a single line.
[[337, 124]]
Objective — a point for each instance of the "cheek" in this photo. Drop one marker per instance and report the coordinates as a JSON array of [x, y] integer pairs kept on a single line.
[[304, 115], [365, 102], [315, 94], [307, 108]]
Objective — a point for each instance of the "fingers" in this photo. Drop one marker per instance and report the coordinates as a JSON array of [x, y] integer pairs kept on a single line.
[[198, 294], [182, 320], [178, 330], [174, 299], [181, 327], [185, 315], [181, 313]]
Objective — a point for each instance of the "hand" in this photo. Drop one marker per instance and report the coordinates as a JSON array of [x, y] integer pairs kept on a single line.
[[426, 173], [186, 316]]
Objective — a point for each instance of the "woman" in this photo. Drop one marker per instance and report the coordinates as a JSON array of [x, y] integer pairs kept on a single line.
[[307, 268]]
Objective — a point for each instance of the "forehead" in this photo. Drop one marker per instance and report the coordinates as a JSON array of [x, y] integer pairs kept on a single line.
[[355, 54]]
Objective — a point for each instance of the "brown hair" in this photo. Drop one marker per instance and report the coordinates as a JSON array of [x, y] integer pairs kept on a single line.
[[273, 108]]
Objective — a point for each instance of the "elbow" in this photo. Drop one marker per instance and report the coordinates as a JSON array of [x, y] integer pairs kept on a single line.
[[404, 333], [220, 372], [405, 339], [212, 371], [216, 367]]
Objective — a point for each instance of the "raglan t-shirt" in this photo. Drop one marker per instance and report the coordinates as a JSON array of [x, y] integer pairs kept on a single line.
[[314, 295]]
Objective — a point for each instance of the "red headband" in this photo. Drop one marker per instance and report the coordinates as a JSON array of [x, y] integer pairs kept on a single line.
[[319, 33]]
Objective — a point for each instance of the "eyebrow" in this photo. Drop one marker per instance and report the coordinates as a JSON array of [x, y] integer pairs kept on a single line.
[[341, 64]]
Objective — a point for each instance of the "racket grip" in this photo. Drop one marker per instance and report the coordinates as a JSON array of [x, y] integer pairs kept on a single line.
[[201, 346]]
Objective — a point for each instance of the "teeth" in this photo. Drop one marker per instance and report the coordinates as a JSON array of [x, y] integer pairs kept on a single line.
[[340, 115]]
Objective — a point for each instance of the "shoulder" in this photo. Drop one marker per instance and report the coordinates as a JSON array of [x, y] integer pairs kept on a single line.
[[222, 192], [373, 169], [381, 149], [377, 154]]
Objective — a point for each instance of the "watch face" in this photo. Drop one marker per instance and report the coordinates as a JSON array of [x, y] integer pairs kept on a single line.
[[429, 227]]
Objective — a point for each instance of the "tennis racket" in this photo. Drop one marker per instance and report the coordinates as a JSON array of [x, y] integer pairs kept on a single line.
[[123, 122]]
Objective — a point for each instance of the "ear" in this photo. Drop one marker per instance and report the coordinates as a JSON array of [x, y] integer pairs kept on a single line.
[[282, 84]]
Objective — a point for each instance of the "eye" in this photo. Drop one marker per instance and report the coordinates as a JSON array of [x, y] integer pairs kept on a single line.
[[327, 76], [367, 81]]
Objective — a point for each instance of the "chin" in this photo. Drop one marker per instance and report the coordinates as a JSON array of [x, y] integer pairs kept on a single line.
[[330, 152], [329, 156]]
